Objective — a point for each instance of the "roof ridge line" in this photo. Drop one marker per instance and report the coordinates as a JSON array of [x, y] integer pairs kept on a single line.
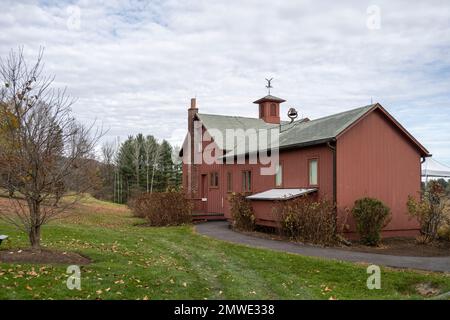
[[225, 115], [298, 122], [342, 112]]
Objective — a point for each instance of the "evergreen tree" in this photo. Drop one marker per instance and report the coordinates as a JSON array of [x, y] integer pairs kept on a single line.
[[144, 165], [126, 166], [177, 177], [164, 166]]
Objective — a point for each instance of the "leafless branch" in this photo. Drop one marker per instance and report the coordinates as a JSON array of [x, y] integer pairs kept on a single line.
[[44, 151]]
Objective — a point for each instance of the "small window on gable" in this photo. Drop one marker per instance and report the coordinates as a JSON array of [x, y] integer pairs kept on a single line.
[[313, 172], [246, 181], [214, 179], [279, 176], [229, 182], [273, 110]]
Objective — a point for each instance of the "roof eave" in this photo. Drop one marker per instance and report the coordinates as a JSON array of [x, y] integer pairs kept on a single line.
[[269, 99], [307, 143], [282, 148]]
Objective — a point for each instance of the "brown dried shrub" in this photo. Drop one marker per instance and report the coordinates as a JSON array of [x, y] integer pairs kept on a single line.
[[162, 208], [432, 211], [303, 219], [242, 212]]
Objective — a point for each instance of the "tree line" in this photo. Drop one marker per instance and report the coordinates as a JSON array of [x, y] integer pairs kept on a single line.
[[139, 164]]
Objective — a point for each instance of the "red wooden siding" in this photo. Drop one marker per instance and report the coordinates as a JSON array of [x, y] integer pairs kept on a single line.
[[295, 175], [374, 160]]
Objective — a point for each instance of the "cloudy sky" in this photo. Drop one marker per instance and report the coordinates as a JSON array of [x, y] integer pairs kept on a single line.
[[134, 65]]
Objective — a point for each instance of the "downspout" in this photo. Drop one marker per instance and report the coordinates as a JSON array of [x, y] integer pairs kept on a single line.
[[333, 149], [426, 176]]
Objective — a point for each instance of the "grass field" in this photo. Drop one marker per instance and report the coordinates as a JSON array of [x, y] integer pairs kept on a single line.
[[135, 262]]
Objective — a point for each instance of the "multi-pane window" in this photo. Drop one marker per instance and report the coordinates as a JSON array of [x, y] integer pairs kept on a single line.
[[246, 181], [229, 181], [313, 168], [214, 179], [279, 175]]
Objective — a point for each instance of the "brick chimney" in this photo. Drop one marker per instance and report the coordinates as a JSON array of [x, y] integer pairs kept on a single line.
[[192, 167], [269, 108]]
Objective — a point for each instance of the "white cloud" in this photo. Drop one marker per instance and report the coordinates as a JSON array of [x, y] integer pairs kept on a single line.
[[134, 65]]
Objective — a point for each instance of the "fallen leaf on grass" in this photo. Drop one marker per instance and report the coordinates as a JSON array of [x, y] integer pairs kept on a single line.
[[32, 273]]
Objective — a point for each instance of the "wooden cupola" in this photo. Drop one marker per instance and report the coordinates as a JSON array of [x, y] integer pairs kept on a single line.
[[269, 108]]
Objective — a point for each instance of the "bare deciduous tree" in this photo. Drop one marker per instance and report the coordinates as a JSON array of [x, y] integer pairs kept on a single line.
[[108, 152], [150, 147], [107, 171], [44, 150], [156, 159]]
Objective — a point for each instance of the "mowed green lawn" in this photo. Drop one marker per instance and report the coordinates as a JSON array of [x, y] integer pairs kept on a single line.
[[135, 262]]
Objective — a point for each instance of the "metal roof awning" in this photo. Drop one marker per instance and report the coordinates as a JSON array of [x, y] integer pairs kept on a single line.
[[280, 194], [434, 169]]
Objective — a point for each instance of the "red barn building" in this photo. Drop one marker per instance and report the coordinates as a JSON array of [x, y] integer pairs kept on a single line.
[[363, 152]]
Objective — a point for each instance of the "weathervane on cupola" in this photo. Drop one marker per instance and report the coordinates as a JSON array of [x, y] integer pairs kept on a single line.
[[269, 85]]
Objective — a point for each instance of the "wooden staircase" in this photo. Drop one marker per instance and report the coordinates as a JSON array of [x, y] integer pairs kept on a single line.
[[203, 216]]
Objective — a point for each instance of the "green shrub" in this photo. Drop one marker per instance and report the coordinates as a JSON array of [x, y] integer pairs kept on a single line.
[[371, 216], [242, 212], [162, 208], [305, 220]]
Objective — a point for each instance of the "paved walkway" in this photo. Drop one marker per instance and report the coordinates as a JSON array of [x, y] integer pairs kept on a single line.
[[220, 230]]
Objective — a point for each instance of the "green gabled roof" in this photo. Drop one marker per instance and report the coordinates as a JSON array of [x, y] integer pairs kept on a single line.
[[321, 129], [296, 134], [222, 123]]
